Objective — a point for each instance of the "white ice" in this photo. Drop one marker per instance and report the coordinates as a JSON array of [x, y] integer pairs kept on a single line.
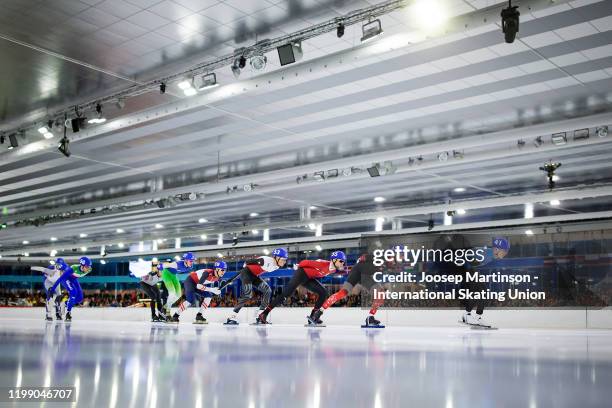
[[137, 364]]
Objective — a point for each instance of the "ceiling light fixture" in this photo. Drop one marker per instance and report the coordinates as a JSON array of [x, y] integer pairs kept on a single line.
[[510, 22], [371, 30], [208, 81], [379, 199], [559, 139], [13, 141], [99, 116], [258, 61], [187, 87], [602, 131], [290, 53], [340, 30]]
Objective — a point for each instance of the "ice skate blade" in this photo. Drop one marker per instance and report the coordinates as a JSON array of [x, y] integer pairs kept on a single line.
[[260, 324], [231, 324], [367, 326], [314, 325], [476, 327], [200, 323]]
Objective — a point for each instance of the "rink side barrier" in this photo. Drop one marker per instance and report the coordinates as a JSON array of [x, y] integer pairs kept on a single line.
[[553, 318]]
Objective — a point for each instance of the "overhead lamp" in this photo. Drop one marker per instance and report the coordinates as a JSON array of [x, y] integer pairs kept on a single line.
[[219, 255], [459, 189], [555, 203], [63, 146], [102, 261], [238, 65], [258, 61], [120, 244], [187, 87], [602, 131], [340, 30], [46, 130], [202, 220], [332, 173], [528, 210], [208, 81], [510, 22], [83, 235], [119, 230], [77, 124], [429, 15], [383, 169], [99, 116], [461, 211], [319, 248], [312, 207], [537, 142], [379, 224], [25, 242], [13, 141], [290, 53], [266, 251], [53, 239], [159, 226], [255, 232], [371, 30], [319, 176], [559, 139], [550, 168], [581, 134], [253, 214], [529, 232], [83, 249], [203, 236], [379, 199]]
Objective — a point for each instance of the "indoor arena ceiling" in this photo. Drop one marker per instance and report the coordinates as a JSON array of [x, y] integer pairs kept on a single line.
[[460, 121]]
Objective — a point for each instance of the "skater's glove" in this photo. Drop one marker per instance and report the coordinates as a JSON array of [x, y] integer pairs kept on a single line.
[[200, 286], [215, 291], [295, 267]]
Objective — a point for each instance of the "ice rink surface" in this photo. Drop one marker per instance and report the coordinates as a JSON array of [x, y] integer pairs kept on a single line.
[[137, 364]]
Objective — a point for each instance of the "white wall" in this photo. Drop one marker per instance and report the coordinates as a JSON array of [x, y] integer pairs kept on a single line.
[[503, 318]]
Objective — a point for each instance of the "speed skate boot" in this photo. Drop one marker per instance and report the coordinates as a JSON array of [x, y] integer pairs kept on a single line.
[[315, 318], [68, 317], [261, 319], [199, 319]]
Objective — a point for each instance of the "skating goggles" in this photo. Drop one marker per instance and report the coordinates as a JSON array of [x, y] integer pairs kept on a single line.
[[86, 268]]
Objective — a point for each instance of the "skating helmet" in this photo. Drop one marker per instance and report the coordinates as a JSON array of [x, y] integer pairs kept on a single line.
[[220, 265], [339, 255], [85, 261], [60, 263], [280, 253], [189, 256], [501, 243]]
